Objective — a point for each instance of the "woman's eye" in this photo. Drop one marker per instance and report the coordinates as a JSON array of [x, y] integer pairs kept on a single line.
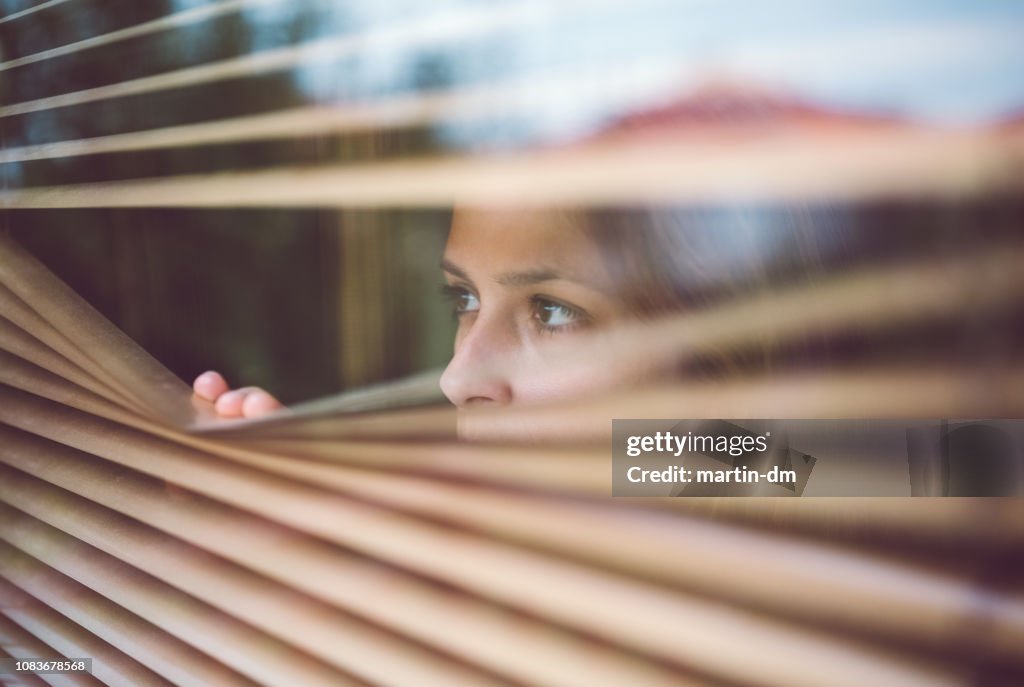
[[463, 300], [554, 315]]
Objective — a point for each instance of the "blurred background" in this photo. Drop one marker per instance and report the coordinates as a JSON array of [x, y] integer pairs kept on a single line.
[[306, 303]]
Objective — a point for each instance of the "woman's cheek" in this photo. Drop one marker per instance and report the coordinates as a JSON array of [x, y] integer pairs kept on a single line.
[[572, 368], [542, 381]]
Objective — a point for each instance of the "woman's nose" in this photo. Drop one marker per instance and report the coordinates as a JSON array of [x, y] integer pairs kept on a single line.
[[478, 371]]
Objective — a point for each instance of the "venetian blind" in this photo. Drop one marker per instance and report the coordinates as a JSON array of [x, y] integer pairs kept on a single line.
[[382, 537]]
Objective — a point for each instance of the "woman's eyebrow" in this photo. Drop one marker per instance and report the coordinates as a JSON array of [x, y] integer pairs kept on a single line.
[[543, 274], [528, 277], [451, 268], [518, 278]]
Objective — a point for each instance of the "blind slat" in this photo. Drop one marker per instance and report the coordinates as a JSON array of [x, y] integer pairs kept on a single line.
[[19, 343], [417, 33], [249, 652], [18, 643], [14, 310], [29, 10], [69, 325], [194, 15], [879, 165], [135, 636], [20, 680], [505, 99], [110, 665]]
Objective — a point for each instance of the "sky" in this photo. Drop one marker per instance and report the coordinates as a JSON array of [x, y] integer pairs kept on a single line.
[[940, 61]]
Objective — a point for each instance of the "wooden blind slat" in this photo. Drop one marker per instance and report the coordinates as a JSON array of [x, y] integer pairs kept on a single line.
[[18, 643], [878, 165], [14, 310], [60, 316], [25, 680], [516, 96], [158, 650], [416, 33], [237, 645], [189, 16], [26, 347], [110, 665]]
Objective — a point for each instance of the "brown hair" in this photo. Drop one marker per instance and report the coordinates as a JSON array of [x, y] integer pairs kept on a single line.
[[671, 260]]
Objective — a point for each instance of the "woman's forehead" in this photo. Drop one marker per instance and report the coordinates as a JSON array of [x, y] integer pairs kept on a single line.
[[491, 240]]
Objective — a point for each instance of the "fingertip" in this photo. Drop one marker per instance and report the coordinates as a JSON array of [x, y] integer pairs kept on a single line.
[[210, 385], [259, 403], [229, 404]]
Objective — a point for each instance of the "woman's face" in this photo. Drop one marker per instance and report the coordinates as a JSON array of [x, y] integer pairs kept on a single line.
[[523, 284]]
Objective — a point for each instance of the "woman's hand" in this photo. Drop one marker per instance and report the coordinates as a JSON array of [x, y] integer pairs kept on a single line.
[[248, 401]]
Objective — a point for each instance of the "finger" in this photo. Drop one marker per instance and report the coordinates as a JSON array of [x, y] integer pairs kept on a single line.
[[210, 385], [229, 404], [258, 403]]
